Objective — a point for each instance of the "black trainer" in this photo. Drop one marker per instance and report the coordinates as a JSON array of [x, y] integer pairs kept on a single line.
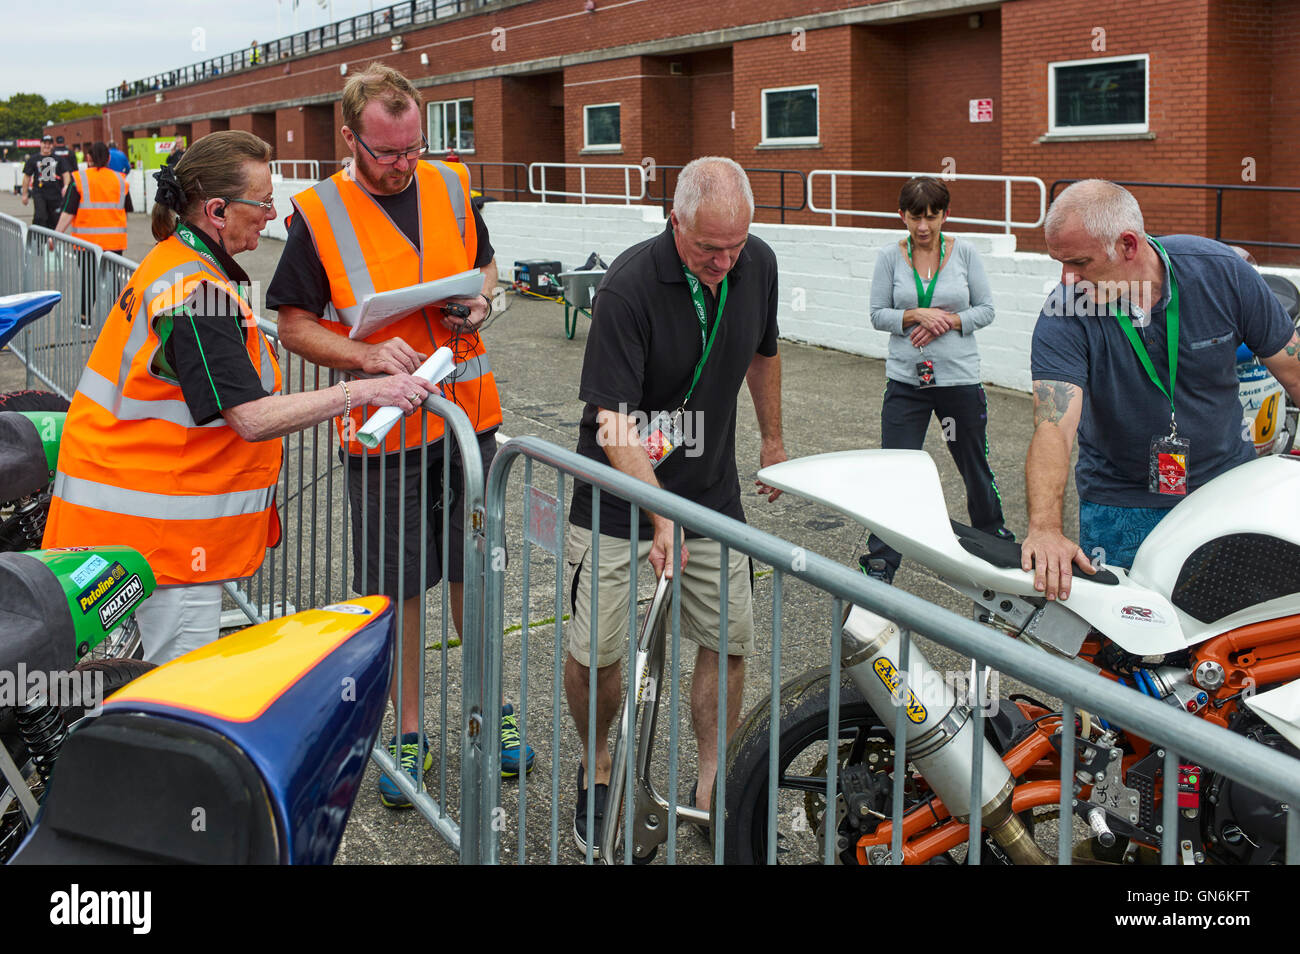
[[876, 568], [580, 814]]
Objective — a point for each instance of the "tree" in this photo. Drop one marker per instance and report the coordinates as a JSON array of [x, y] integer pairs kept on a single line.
[[67, 109], [23, 115]]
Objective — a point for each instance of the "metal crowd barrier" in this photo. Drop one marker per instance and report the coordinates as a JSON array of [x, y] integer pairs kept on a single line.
[[13, 243], [544, 517], [55, 348], [312, 565]]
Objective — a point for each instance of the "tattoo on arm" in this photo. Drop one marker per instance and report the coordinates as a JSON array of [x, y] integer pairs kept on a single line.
[[1293, 347], [1051, 400]]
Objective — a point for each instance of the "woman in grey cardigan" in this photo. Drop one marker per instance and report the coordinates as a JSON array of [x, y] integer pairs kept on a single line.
[[931, 294]]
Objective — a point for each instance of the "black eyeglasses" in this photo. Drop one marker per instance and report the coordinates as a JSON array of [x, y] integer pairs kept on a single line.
[[391, 158]]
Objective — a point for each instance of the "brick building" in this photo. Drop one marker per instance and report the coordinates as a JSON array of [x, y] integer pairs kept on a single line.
[[79, 133], [1189, 91]]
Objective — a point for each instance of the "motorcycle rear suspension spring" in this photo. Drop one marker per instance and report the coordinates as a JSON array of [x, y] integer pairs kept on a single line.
[[43, 731]]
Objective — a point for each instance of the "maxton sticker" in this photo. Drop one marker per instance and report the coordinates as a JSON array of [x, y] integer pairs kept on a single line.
[[100, 588], [889, 676], [116, 606]]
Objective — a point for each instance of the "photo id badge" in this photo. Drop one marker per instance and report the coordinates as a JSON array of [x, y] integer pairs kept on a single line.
[[1167, 469], [925, 374], [663, 436]]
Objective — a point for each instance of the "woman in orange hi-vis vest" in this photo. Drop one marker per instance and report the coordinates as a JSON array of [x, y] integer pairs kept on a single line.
[[171, 443]]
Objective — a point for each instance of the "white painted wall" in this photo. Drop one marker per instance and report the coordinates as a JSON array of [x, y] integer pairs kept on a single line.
[[825, 274]]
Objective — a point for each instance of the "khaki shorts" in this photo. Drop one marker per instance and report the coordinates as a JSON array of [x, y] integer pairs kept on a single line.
[[700, 596]]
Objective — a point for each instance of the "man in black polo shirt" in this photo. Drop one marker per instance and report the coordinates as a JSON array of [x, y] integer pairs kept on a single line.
[[678, 323]]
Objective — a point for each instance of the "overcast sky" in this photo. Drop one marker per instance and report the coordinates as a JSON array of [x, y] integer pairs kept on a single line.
[[76, 49]]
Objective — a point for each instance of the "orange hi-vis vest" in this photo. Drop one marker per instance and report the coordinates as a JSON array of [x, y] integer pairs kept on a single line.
[[135, 468], [363, 252], [101, 215]]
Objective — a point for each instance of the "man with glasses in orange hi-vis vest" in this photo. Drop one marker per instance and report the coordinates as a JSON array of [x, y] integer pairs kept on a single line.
[[387, 221]]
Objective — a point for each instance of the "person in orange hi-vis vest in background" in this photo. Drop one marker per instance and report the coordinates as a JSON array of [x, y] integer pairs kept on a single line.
[[171, 444], [391, 220]]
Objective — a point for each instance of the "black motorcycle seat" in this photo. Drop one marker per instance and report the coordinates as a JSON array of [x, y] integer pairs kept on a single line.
[[1005, 554], [137, 789], [23, 466]]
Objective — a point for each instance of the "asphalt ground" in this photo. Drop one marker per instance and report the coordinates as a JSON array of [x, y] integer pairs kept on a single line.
[[830, 402]]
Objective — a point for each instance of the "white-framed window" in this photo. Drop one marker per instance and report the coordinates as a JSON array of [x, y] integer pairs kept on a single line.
[[601, 127], [1101, 96], [790, 115], [451, 125]]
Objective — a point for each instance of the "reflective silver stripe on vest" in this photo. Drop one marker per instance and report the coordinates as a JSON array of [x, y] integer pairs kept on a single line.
[[267, 370], [96, 229], [83, 186], [139, 503], [140, 327], [469, 370], [349, 246], [99, 389], [455, 192]]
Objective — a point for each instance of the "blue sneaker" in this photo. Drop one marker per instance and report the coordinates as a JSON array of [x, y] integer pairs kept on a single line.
[[389, 793], [510, 745]]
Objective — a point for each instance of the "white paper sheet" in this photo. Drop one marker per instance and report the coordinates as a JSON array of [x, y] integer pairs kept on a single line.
[[383, 308]]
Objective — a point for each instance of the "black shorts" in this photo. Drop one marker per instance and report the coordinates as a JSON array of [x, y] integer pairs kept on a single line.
[[402, 579], [46, 210]]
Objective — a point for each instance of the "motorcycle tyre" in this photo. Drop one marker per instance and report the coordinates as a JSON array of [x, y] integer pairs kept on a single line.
[[805, 704], [117, 673], [30, 399]]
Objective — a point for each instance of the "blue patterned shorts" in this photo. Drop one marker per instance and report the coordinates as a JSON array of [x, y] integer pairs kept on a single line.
[[1112, 535]]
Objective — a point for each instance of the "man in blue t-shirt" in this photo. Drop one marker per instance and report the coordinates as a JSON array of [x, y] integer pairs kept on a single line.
[[1132, 316]]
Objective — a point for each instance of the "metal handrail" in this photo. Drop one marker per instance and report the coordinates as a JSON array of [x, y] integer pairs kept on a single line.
[[398, 16], [516, 191], [313, 167], [1219, 189], [664, 198], [582, 194], [1007, 223]]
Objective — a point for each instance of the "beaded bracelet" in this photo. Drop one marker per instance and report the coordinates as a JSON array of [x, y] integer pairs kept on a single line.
[[347, 399]]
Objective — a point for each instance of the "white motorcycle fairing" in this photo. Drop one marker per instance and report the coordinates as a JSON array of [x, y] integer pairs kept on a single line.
[[1252, 515], [897, 495]]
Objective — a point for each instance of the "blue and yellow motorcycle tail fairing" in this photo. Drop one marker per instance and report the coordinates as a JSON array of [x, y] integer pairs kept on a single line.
[[249, 750]]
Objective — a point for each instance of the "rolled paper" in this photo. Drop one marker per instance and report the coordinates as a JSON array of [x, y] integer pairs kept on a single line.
[[372, 433]]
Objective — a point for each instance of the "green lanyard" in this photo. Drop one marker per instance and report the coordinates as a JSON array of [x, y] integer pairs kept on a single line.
[[701, 312], [195, 241], [925, 294], [1171, 317]]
